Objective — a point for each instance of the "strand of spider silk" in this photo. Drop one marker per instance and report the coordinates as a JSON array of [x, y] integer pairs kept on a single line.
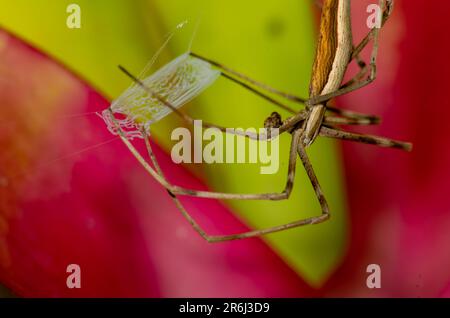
[[155, 56], [68, 116], [67, 156], [195, 31]]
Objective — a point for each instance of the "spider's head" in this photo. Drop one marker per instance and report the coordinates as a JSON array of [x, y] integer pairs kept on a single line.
[[273, 121]]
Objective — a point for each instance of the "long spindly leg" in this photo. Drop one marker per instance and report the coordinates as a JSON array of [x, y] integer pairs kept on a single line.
[[255, 91], [387, 8], [175, 199], [359, 76], [363, 68], [287, 125], [286, 95], [332, 120], [373, 119], [316, 186], [368, 139], [223, 238], [250, 80], [313, 220], [173, 189]]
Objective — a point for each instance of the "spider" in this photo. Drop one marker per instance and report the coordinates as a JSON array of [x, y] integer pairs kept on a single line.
[[334, 53]]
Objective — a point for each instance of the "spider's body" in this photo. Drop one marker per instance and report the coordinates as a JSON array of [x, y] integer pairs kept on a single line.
[[333, 53]]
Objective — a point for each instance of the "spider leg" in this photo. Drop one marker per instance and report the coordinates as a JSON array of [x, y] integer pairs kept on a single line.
[[175, 199], [286, 95], [354, 115], [312, 220], [252, 81], [387, 7], [363, 69], [332, 120], [221, 238], [316, 186], [255, 91], [368, 139]]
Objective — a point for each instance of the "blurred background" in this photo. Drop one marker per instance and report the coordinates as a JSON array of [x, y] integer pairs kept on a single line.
[[70, 193]]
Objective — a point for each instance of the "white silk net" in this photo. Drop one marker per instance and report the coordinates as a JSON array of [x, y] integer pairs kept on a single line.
[[177, 82]]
